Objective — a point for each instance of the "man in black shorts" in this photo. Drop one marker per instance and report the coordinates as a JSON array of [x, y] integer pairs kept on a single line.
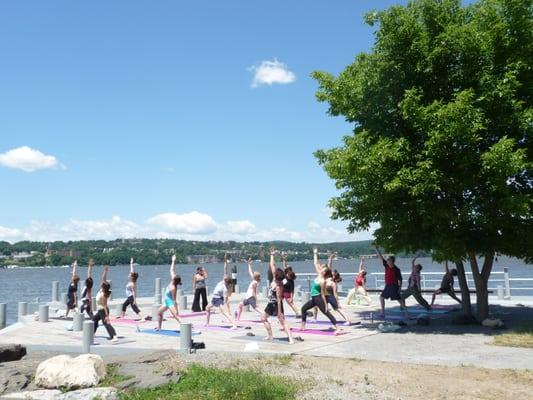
[[393, 281]]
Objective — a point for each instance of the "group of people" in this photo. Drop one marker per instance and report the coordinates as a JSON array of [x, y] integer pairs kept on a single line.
[[281, 286]]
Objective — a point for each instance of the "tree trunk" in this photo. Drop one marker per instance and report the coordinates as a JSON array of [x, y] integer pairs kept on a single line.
[[481, 281], [465, 291]]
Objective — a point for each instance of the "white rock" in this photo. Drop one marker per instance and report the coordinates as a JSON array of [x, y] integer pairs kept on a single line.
[[33, 395], [105, 393], [83, 371]]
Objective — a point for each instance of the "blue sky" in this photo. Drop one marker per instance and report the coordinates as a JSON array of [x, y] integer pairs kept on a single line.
[[153, 125]]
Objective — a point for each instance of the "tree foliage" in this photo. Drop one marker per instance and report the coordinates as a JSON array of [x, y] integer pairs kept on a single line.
[[442, 147]]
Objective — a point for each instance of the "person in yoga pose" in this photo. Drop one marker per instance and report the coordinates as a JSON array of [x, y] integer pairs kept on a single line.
[[250, 298], [87, 292], [446, 285], [274, 306], [332, 297], [393, 281], [199, 286], [220, 300], [318, 293], [359, 286], [288, 284], [169, 302], [131, 292], [102, 310], [414, 287], [72, 294]]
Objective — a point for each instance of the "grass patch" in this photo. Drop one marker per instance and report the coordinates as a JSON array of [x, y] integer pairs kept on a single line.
[[521, 337], [112, 377], [208, 383]]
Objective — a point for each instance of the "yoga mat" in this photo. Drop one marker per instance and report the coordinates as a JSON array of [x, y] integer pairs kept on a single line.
[[321, 332], [415, 311], [261, 339], [218, 328], [165, 332], [193, 314], [388, 317]]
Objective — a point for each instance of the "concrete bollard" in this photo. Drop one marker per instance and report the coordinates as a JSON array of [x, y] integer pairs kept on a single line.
[[157, 296], [64, 298], [22, 309], [43, 313], [499, 290], [305, 297], [236, 289], [55, 291], [185, 337], [506, 283], [3, 315], [88, 336], [155, 312], [182, 303], [77, 322], [93, 304]]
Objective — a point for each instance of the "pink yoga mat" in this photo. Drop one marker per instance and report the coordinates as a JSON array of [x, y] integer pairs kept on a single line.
[[193, 314], [217, 328], [321, 332], [128, 321]]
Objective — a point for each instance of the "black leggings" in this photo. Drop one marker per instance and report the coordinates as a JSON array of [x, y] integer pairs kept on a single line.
[[100, 315], [86, 307], [196, 302], [129, 302], [317, 301]]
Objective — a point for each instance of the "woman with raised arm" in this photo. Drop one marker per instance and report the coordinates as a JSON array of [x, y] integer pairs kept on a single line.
[[131, 292], [274, 306], [318, 293], [199, 286], [250, 298], [414, 287], [169, 302], [446, 285], [288, 285], [220, 299], [87, 292], [72, 295], [102, 310], [359, 286]]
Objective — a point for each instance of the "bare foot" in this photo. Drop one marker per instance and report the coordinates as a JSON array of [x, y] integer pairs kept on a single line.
[[269, 338], [338, 332]]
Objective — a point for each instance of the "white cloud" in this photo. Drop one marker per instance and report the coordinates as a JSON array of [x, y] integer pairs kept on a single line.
[[270, 72], [244, 227], [188, 226], [27, 159], [192, 223]]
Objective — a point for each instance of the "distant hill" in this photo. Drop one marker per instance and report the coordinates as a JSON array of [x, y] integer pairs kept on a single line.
[[159, 251]]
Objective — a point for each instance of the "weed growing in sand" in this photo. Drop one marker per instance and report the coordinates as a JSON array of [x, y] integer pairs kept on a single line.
[[521, 337]]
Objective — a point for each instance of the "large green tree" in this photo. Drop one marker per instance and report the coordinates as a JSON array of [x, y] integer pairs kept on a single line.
[[442, 146]]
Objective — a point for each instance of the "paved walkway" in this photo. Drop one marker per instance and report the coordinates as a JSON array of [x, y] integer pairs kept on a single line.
[[438, 344]]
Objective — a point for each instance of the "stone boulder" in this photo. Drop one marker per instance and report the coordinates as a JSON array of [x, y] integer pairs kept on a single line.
[[34, 395], [64, 371], [105, 393], [11, 352]]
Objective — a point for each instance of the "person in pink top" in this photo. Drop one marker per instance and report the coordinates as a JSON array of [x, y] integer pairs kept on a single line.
[[359, 286]]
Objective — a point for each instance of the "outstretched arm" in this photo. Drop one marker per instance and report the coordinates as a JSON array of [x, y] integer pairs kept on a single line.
[[74, 268], [132, 270], [104, 274], [173, 267], [284, 259], [330, 259], [250, 272], [272, 261], [379, 253], [90, 269], [361, 265], [414, 261], [315, 260]]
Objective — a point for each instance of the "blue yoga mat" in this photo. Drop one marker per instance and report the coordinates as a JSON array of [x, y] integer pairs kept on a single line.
[[416, 310], [164, 332]]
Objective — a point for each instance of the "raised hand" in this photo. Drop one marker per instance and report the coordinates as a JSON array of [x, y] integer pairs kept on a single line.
[[173, 259]]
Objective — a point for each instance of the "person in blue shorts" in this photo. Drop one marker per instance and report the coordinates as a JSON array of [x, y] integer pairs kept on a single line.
[[220, 300], [169, 301]]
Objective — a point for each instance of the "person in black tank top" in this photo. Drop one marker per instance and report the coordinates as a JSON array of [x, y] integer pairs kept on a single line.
[[72, 295]]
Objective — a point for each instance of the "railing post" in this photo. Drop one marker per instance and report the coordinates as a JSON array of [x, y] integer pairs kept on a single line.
[[185, 337], [55, 291], [506, 283], [88, 336], [157, 295], [3, 315]]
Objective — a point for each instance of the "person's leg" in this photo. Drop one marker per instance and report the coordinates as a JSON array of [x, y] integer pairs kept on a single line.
[[351, 295], [324, 309], [315, 313], [125, 306], [283, 323], [135, 308], [241, 306], [110, 330], [160, 314], [225, 310], [453, 296], [96, 318], [362, 291], [382, 301], [420, 299], [435, 293], [405, 295], [306, 307], [290, 302], [196, 301], [268, 326], [175, 314], [203, 293]]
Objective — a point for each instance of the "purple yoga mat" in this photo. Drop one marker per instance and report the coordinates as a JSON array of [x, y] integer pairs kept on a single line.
[[321, 332], [225, 328], [128, 321]]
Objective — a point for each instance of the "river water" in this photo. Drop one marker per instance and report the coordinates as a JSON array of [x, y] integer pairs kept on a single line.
[[29, 283]]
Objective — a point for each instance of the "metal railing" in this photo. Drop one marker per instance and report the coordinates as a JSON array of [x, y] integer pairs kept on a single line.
[[499, 282]]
